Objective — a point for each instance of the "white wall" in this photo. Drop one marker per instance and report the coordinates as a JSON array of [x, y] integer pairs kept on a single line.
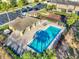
[[74, 0]]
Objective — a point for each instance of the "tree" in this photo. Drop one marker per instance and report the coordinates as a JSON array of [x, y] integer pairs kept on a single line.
[[36, 0], [48, 54], [72, 19], [0, 6], [20, 3], [76, 31], [13, 3], [0, 1], [50, 7], [25, 2]]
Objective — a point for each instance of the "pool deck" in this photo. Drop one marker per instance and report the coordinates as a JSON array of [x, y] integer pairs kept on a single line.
[[29, 34]]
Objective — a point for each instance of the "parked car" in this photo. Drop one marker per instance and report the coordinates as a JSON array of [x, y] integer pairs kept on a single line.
[[24, 11], [29, 8], [39, 6]]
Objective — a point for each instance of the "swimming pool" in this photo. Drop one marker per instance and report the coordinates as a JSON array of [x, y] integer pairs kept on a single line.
[[43, 38]]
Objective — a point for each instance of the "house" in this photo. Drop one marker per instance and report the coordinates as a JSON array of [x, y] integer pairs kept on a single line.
[[15, 41], [67, 5]]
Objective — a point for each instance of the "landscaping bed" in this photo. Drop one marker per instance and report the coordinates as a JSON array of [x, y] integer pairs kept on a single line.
[[48, 54]]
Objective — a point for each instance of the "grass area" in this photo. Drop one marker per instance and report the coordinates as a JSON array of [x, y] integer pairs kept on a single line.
[[3, 27], [49, 20], [72, 19]]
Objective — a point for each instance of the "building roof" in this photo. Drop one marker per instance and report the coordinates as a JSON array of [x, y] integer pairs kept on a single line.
[[22, 23], [67, 2], [16, 43], [54, 16]]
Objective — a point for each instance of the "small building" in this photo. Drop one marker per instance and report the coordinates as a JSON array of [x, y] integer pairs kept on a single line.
[[15, 40], [68, 5]]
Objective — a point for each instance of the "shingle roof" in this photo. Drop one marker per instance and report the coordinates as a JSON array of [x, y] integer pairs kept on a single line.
[[22, 23]]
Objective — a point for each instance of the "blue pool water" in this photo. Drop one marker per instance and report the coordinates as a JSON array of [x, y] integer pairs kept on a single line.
[[43, 38]]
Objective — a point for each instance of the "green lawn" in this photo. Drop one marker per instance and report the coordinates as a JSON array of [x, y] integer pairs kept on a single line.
[[3, 27]]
